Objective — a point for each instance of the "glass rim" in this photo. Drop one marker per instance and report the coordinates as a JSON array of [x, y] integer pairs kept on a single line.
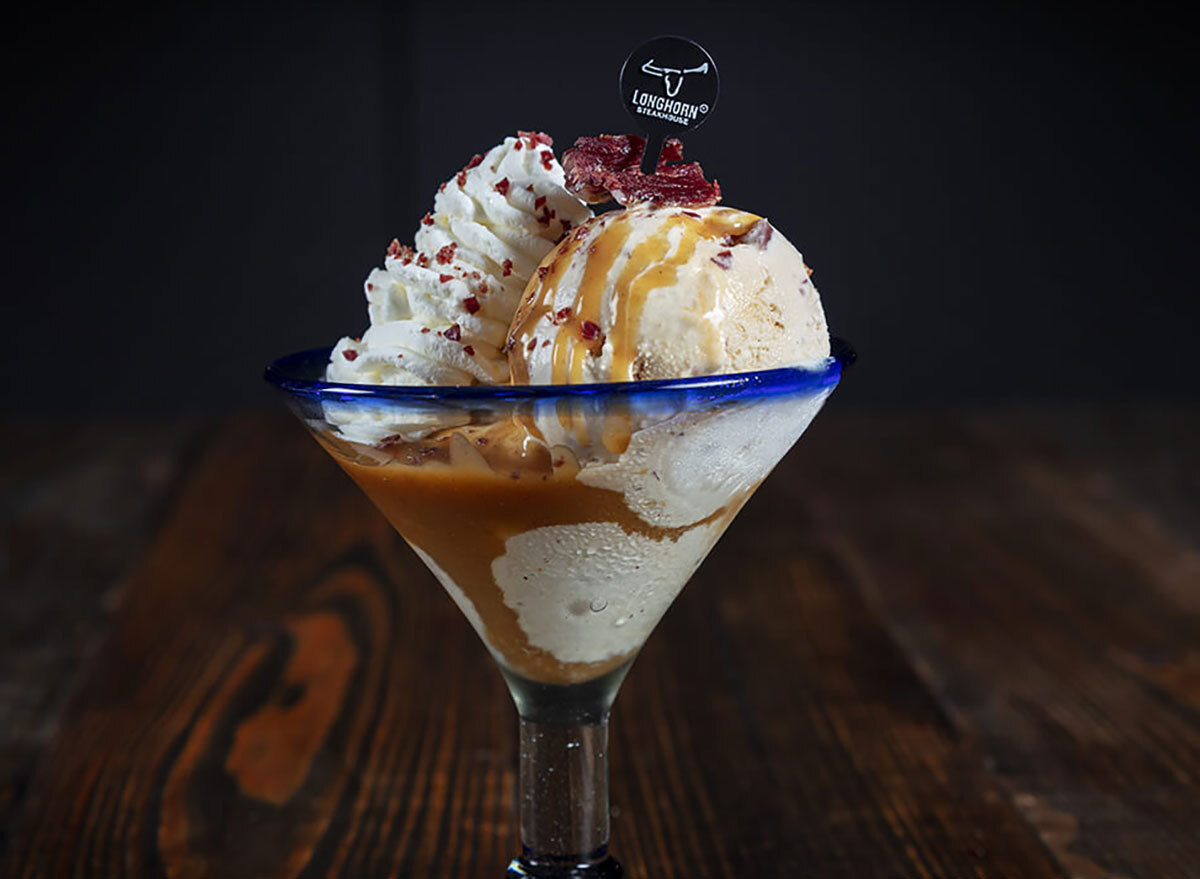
[[290, 373]]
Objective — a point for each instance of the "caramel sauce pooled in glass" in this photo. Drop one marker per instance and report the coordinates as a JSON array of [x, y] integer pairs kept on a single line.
[[459, 494]]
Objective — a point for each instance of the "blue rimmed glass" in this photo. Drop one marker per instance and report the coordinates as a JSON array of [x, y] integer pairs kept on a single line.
[[563, 520]]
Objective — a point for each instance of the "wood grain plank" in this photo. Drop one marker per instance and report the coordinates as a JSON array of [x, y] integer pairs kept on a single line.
[[264, 705], [839, 692], [773, 697], [78, 501], [1047, 604]]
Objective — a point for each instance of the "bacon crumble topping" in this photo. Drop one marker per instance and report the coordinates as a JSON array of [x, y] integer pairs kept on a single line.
[[507, 267], [536, 137], [427, 220], [471, 304], [502, 186], [759, 233], [402, 252], [350, 354], [468, 350], [607, 167], [445, 255], [724, 259], [442, 279], [453, 333]]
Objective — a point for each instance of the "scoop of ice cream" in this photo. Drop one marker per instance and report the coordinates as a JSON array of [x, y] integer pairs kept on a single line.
[[439, 312], [654, 293]]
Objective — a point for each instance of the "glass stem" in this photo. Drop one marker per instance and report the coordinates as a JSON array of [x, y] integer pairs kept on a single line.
[[564, 793], [564, 778]]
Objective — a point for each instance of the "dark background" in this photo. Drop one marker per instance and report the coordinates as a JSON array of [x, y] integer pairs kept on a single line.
[[1000, 201]]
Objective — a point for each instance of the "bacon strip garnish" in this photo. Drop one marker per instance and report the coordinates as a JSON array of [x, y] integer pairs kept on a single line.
[[607, 167]]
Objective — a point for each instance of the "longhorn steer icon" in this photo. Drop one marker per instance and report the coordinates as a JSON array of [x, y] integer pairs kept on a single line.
[[672, 76]]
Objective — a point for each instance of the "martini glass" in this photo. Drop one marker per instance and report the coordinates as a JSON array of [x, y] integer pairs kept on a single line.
[[563, 520]]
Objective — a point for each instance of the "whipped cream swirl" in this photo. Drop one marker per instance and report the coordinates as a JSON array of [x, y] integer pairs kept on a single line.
[[440, 312]]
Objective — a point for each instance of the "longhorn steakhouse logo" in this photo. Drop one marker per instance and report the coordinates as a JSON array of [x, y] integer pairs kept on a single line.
[[668, 107], [667, 72]]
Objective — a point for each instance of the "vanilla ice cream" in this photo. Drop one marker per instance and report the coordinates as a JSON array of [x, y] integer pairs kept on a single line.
[[655, 293]]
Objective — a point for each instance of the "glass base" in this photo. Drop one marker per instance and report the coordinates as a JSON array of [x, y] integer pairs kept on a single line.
[[608, 868]]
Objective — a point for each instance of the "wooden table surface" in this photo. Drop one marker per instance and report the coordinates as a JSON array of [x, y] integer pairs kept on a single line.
[[933, 645]]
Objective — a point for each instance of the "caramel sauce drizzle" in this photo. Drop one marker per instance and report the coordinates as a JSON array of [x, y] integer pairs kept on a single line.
[[649, 266]]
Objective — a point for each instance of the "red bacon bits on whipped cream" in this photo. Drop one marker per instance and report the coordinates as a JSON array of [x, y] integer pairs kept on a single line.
[[490, 199], [534, 138]]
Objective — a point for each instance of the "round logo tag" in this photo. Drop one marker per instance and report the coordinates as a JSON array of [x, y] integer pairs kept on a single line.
[[668, 85]]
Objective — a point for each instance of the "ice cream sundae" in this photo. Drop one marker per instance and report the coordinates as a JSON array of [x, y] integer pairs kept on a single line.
[[564, 529]]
